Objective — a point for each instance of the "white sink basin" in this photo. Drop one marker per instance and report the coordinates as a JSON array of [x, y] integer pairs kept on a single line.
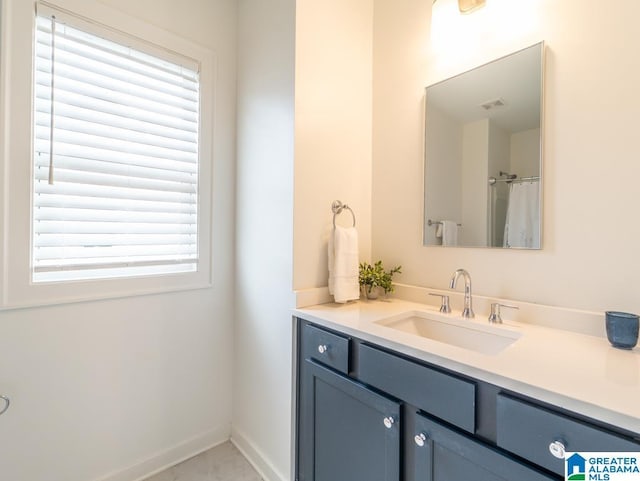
[[467, 334]]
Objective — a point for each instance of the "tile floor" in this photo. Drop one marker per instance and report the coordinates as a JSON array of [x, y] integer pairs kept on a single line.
[[222, 463]]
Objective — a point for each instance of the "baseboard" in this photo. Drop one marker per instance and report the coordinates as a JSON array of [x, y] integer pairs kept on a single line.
[[256, 458], [170, 457]]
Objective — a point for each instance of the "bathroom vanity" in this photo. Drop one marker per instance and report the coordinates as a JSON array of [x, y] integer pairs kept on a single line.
[[374, 403]]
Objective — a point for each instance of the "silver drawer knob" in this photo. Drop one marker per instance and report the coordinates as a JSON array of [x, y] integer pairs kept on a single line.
[[388, 422], [322, 348], [420, 439], [557, 449], [7, 403]]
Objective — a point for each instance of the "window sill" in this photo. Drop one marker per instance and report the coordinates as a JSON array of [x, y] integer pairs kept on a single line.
[[112, 295]]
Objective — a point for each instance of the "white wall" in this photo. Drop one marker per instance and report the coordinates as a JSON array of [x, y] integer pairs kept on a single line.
[[475, 169], [332, 130], [525, 152], [114, 389], [591, 150], [279, 247], [264, 233], [499, 150], [399, 42]]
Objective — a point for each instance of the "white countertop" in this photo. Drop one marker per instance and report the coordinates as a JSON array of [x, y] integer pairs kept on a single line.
[[577, 372]]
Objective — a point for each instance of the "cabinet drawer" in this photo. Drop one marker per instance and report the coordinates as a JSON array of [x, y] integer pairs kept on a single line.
[[442, 395], [326, 347], [528, 431]]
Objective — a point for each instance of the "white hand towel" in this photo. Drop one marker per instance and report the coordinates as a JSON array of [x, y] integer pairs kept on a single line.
[[449, 233], [343, 264]]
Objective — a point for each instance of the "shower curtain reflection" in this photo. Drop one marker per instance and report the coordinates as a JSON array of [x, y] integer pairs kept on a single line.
[[522, 226], [514, 214]]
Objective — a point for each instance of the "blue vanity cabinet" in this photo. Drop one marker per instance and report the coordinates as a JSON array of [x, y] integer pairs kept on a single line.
[[347, 431], [368, 413]]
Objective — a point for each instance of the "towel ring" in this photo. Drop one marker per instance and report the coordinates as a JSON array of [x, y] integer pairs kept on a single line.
[[437, 222], [7, 403], [337, 207]]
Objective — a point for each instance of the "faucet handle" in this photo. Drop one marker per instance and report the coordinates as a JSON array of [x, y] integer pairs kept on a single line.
[[495, 317], [444, 307]]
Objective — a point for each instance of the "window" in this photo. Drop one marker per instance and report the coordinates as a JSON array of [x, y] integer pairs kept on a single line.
[[115, 156], [63, 242]]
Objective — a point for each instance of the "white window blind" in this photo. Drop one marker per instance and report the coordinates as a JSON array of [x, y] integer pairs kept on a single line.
[[115, 187]]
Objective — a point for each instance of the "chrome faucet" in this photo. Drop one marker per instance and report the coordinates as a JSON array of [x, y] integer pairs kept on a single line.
[[468, 309]]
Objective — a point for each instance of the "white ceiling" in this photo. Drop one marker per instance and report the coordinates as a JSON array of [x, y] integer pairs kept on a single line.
[[515, 79]]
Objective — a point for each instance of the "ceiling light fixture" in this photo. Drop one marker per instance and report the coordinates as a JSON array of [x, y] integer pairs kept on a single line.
[[468, 6]]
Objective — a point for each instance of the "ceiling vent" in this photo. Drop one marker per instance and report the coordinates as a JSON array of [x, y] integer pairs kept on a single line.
[[493, 104]]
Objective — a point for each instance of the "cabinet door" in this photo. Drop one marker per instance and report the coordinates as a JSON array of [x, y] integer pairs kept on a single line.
[[346, 432], [442, 454]]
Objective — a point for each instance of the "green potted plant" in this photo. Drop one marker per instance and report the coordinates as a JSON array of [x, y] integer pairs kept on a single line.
[[374, 277]]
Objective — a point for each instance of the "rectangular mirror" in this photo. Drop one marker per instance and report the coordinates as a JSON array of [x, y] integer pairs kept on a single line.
[[483, 155]]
